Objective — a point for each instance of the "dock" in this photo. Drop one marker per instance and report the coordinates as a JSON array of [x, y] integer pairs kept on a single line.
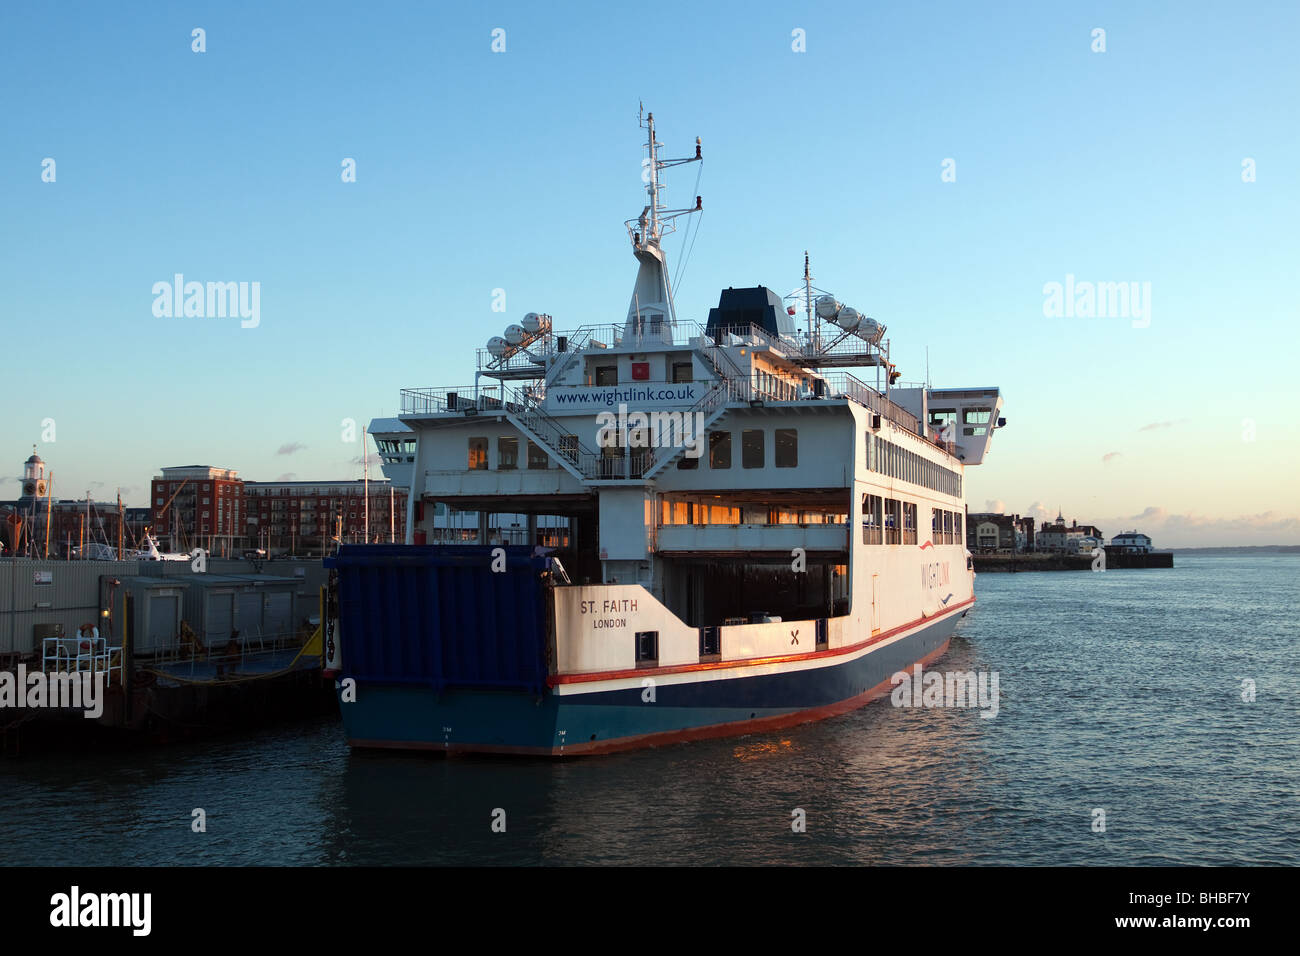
[[173, 652]]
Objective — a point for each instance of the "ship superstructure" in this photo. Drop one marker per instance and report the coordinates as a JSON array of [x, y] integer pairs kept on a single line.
[[725, 528]]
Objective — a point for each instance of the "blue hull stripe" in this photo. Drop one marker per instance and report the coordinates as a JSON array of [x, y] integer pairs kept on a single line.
[[386, 715]]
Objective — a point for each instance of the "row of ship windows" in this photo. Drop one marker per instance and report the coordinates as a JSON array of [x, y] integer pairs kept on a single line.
[[891, 521], [753, 451], [895, 461]]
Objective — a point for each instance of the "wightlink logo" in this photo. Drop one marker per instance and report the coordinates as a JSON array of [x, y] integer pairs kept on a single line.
[[80, 690], [950, 689], [211, 300], [652, 430]]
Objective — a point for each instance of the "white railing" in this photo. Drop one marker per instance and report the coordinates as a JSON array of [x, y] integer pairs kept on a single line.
[[78, 654]]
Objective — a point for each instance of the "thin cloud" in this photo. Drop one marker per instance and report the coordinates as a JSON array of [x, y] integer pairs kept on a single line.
[[290, 448], [1160, 426], [288, 476], [1105, 459]]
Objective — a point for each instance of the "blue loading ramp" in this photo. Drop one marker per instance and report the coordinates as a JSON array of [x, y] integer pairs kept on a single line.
[[438, 616]]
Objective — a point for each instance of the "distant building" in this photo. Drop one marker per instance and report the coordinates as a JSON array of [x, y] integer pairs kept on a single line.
[[988, 532], [38, 524], [198, 506], [213, 508], [1082, 544], [1027, 533], [1058, 536], [1131, 542], [304, 515]]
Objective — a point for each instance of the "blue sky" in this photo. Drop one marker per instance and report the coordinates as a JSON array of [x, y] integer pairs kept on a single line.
[[479, 170]]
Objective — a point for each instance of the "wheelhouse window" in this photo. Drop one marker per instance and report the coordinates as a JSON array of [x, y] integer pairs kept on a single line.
[[507, 453], [752, 453], [719, 450], [478, 454], [787, 448]]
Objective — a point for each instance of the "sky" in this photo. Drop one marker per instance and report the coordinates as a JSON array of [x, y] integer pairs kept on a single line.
[[942, 163]]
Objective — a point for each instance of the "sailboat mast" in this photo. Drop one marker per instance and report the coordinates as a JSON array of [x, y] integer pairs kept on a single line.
[[49, 492], [365, 471]]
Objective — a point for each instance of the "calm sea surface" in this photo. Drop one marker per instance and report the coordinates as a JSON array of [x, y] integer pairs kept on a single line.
[[1120, 691]]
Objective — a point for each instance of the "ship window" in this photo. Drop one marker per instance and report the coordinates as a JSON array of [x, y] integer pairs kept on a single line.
[[752, 453], [569, 447], [536, 456], [787, 448], [606, 374], [909, 523], [507, 453], [683, 372], [976, 416], [892, 522], [686, 462], [647, 647], [719, 450], [478, 454], [871, 519]]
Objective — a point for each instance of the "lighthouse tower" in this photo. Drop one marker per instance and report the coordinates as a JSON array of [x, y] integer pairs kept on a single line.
[[34, 483]]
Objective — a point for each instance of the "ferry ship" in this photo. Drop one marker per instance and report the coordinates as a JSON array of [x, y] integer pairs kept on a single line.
[[725, 532]]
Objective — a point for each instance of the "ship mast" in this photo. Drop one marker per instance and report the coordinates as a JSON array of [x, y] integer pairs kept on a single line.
[[651, 310], [807, 303]]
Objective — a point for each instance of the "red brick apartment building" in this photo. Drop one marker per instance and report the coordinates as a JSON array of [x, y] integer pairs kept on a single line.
[[199, 505]]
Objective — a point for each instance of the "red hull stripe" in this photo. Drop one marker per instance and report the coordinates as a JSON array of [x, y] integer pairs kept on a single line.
[[664, 738], [752, 661]]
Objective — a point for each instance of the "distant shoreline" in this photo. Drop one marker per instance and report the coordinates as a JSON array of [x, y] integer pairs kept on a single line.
[[1240, 549]]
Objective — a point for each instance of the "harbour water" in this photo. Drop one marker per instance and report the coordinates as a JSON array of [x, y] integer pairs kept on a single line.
[[1120, 691]]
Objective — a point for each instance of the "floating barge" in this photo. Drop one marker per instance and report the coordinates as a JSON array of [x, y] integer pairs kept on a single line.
[[179, 653]]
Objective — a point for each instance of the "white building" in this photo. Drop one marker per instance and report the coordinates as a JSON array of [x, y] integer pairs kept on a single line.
[[1131, 542]]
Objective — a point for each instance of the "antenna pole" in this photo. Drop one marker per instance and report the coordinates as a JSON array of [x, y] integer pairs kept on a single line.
[[807, 301], [653, 188]]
